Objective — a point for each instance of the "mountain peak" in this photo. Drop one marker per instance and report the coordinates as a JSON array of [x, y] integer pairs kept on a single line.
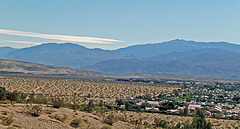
[[178, 40]]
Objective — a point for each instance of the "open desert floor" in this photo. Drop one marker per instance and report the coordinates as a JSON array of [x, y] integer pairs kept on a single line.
[[81, 90]]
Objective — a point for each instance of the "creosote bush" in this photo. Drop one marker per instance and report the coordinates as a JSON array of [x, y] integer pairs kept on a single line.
[[160, 123], [57, 103], [61, 118], [11, 96], [49, 111], [36, 110], [110, 119], [75, 123], [38, 99]]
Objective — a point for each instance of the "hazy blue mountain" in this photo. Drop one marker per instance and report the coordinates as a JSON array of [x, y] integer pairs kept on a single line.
[[69, 55], [148, 50], [207, 59], [215, 63], [5, 50], [186, 54]]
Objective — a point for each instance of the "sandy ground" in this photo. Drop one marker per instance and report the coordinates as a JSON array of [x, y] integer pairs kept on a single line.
[[47, 120]]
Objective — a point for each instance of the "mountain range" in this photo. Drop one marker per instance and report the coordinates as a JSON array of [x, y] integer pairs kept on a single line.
[[204, 59]]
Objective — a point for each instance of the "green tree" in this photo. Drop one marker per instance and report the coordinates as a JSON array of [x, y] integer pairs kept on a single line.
[[90, 106], [186, 111], [127, 105], [147, 97], [120, 102], [199, 120], [144, 105]]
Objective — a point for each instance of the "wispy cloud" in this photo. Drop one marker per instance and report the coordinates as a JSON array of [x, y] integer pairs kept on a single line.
[[23, 42], [66, 38]]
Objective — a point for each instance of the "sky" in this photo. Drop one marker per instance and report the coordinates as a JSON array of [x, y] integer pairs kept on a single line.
[[112, 24]]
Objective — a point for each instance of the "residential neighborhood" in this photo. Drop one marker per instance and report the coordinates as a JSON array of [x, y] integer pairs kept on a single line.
[[217, 101]]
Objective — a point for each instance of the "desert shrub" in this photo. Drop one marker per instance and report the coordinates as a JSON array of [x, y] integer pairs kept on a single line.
[[16, 96], [6, 102], [160, 123], [36, 110], [61, 118], [106, 127], [49, 111], [7, 120], [82, 107], [75, 123], [11, 96], [146, 124], [3, 94], [40, 100], [110, 119], [75, 106], [90, 106], [57, 103]]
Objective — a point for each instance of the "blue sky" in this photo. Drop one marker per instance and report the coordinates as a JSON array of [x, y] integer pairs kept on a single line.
[[111, 24]]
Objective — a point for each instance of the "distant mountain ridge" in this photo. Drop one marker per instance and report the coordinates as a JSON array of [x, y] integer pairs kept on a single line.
[[68, 54], [214, 63], [5, 50], [204, 59], [19, 67], [148, 50]]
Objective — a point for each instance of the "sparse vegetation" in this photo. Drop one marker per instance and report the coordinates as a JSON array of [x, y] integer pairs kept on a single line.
[[106, 127], [57, 102], [49, 111], [7, 120], [110, 119], [11, 96], [76, 90], [160, 123], [75, 123], [36, 110], [61, 118], [91, 96], [38, 99], [90, 106]]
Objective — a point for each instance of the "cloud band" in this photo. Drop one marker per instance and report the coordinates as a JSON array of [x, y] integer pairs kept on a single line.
[[59, 37]]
